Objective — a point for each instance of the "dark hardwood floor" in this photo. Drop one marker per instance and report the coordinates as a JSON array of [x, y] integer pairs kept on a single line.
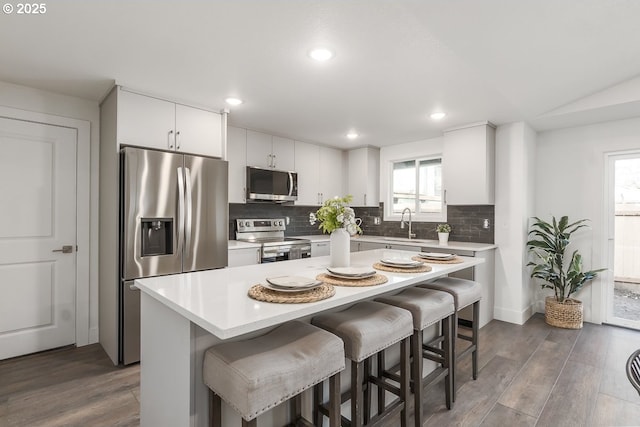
[[531, 375]]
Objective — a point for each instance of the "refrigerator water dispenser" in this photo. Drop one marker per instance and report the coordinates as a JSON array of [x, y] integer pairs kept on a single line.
[[157, 236]]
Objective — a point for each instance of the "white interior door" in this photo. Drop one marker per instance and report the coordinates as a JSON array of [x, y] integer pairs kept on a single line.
[[37, 219]]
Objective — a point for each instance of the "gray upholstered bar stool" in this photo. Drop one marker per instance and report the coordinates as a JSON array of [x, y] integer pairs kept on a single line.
[[465, 293], [428, 307], [368, 328], [257, 374]]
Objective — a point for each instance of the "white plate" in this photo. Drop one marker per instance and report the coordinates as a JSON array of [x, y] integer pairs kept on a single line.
[[340, 276], [356, 272], [437, 255], [278, 289], [291, 282], [400, 262]]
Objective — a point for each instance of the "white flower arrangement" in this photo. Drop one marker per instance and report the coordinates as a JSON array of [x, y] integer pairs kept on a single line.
[[334, 214]]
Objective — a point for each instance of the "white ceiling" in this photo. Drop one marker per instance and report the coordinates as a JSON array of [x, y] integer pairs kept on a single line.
[[396, 61]]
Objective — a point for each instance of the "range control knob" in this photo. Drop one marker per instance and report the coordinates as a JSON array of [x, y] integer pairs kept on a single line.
[[247, 223], [279, 222]]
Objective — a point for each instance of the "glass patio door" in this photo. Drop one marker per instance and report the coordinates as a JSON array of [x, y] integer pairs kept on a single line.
[[623, 219]]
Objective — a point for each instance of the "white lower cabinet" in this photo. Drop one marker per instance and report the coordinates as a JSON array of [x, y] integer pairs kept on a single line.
[[367, 246], [244, 256], [319, 248]]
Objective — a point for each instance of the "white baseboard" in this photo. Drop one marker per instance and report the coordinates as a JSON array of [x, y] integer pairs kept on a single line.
[[513, 316]]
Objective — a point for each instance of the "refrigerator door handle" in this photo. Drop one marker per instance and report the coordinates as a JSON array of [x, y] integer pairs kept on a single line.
[[180, 226], [189, 206]]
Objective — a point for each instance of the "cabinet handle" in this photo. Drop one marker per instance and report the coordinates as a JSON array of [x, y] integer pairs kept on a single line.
[[365, 199], [177, 140], [169, 140], [445, 197], [269, 161], [273, 156]]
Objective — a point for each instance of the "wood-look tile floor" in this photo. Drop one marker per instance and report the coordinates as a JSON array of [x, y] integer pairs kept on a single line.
[[531, 375]]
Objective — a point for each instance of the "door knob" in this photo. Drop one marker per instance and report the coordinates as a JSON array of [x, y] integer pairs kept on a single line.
[[66, 249]]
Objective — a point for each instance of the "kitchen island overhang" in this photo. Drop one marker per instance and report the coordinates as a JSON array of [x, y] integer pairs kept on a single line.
[[182, 315]]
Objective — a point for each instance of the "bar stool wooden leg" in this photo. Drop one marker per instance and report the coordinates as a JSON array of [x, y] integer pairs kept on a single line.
[[404, 381], [366, 404], [474, 338], [356, 394], [215, 414], [449, 357], [417, 362], [334, 402], [381, 393]]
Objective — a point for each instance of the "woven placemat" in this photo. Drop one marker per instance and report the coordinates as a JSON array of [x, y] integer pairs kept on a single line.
[[456, 260], [421, 269], [260, 293], [378, 279]]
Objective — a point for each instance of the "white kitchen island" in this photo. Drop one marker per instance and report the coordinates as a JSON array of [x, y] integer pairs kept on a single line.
[[182, 315]]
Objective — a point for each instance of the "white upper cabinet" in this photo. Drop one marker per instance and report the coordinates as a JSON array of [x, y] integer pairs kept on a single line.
[[266, 151], [237, 158], [320, 173], [331, 179], [468, 165], [364, 181], [259, 149], [198, 131], [283, 152], [145, 121], [308, 169], [155, 123]]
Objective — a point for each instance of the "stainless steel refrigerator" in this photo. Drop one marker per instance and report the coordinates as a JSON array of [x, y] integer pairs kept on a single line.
[[173, 219]]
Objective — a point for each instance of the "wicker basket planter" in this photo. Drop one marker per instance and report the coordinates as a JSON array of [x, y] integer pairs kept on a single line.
[[566, 314]]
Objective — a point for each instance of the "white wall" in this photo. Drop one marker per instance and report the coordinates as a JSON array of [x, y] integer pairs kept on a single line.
[[35, 100], [570, 181], [515, 161]]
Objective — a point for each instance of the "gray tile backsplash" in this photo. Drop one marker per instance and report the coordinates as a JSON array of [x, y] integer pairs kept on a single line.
[[466, 221]]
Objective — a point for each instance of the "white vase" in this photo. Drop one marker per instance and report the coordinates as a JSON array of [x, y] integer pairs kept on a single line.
[[443, 238], [339, 248]]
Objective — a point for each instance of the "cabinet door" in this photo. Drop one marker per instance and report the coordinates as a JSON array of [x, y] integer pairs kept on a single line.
[[247, 256], [468, 165], [145, 121], [404, 247], [258, 149], [368, 246], [198, 131], [237, 157], [331, 176], [283, 152], [363, 182], [319, 249], [306, 159], [357, 181]]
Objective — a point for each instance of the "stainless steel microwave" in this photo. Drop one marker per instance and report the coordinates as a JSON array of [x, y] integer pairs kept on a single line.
[[271, 185]]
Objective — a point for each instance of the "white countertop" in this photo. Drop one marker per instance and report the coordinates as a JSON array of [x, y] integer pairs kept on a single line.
[[217, 301], [235, 244]]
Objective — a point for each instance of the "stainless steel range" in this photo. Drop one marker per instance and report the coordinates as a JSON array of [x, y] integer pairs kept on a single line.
[[270, 233]]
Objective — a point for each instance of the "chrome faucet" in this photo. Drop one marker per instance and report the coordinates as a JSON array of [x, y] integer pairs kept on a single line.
[[402, 222]]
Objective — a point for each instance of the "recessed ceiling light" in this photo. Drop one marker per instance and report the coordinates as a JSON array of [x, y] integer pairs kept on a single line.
[[438, 116], [233, 101], [321, 54], [352, 135]]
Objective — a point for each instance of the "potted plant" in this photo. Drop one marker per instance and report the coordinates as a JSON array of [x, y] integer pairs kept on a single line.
[[548, 244], [338, 219], [443, 231]]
